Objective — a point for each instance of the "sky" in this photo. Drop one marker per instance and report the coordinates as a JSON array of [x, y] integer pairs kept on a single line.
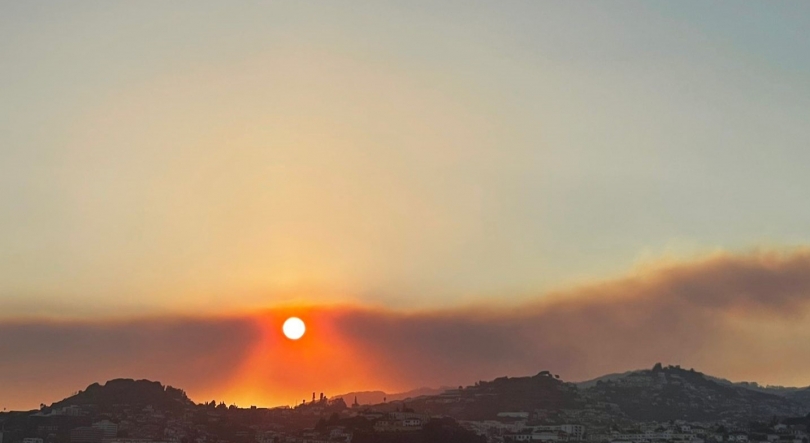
[[184, 175]]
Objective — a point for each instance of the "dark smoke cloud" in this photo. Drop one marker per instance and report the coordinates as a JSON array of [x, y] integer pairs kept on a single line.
[[710, 314], [737, 316]]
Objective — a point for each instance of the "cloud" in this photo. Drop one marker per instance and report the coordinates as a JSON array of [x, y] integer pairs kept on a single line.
[[737, 316], [710, 313]]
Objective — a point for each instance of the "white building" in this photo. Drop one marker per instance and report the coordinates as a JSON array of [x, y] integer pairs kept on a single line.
[[571, 432], [740, 437], [549, 436], [71, 411], [523, 415], [651, 436], [110, 429]]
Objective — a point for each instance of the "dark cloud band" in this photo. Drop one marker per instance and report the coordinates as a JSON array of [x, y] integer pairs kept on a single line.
[[738, 316]]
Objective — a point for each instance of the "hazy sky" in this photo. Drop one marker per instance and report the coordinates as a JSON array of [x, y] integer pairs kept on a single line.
[[203, 156], [169, 160]]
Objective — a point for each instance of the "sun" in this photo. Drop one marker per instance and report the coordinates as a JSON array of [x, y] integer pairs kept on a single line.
[[294, 328]]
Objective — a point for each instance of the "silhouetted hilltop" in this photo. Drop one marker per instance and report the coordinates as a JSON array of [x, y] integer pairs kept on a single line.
[[801, 395], [486, 399], [667, 393], [657, 394], [754, 386], [798, 394], [130, 392]]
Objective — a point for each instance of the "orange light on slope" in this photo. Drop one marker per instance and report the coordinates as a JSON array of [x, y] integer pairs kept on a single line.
[[281, 370]]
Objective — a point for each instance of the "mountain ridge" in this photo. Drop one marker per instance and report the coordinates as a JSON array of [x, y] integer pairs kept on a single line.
[[376, 397], [660, 393]]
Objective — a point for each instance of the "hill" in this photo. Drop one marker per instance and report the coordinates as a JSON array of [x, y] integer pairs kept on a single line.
[[657, 394], [486, 399], [130, 392], [801, 395], [668, 393]]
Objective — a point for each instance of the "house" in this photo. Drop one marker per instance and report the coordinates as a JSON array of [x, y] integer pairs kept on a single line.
[[740, 437], [109, 428], [518, 436]]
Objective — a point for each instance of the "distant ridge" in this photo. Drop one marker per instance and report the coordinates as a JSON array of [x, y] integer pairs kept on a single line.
[[377, 397]]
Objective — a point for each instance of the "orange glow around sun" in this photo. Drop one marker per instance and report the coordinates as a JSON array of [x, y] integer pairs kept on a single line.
[[282, 370]]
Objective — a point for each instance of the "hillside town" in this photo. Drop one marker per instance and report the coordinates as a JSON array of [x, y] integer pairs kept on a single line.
[[663, 404]]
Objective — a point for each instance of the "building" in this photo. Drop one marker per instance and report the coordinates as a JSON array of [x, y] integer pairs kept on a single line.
[[86, 434], [576, 432], [70, 411], [649, 436], [408, 424], [740, 437], [518, 415], [572, 432], [518, 436], [32, 440], [109, 428]]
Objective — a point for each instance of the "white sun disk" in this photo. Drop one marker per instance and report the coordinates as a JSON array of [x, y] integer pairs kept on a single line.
[[294, 328]]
